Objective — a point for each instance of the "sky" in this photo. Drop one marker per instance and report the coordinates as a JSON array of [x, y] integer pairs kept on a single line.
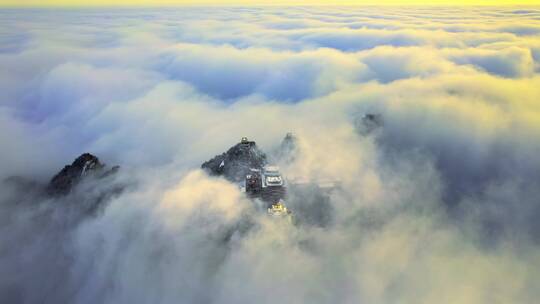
[[258, 2], [439, 205]]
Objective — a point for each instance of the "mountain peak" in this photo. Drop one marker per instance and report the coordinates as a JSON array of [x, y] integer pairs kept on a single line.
[[70, 175], [236, 162]]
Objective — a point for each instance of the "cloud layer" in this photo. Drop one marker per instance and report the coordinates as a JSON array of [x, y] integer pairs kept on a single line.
[[439, 205]]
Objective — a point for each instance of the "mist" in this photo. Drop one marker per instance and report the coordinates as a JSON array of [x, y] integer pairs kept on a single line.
[[440, 203]]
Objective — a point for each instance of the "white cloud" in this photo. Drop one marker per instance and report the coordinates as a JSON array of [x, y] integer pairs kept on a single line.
[[438, 205]]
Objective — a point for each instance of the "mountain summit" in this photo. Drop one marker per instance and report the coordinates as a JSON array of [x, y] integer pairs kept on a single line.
[[237, 161], [71, 175]]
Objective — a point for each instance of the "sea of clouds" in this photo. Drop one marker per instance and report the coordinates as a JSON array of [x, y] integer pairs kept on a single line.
[[441, 205]]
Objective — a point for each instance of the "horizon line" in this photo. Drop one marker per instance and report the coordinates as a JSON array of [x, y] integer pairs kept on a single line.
[[262, 5]]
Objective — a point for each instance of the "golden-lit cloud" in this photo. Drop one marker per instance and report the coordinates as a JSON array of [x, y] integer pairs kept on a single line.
[[438, 204], [256, 2]]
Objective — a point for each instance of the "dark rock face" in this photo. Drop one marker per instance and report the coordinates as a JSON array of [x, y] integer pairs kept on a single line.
[[369, 123], [77, 192], [288, 150], [71, 175], [236, 162]]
